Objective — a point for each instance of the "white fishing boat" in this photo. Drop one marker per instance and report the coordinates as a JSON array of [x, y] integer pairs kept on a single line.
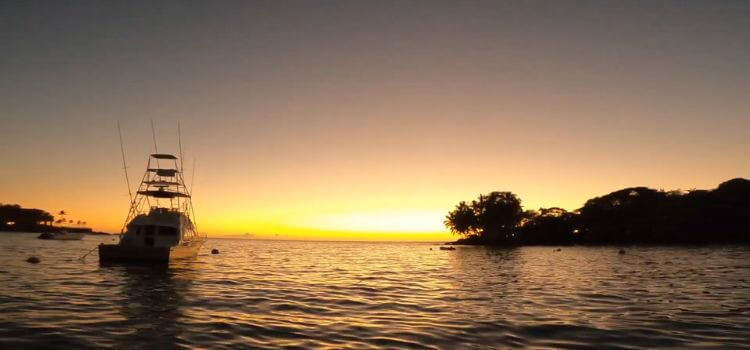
[[63, 235], [160, 225]]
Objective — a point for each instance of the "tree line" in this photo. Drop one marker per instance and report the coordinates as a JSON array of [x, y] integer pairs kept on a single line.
[[15, 218], [634, 215]]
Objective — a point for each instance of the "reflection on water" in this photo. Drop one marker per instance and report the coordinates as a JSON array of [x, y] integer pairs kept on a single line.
[[264, 294], [152, 297]]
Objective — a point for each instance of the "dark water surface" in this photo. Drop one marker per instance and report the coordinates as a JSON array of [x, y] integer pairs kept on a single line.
[[273, 294]]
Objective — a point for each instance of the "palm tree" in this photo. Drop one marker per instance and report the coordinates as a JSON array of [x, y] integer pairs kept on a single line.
[[62, 219], [462, 220]]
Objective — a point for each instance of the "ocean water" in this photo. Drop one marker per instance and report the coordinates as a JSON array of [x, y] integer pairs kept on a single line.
[[293, 294]]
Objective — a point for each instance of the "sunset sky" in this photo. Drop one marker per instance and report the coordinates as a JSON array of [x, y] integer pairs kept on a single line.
[[368, 119]]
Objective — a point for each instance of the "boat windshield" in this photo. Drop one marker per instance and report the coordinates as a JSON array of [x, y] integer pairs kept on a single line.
[[150, 230], [167, 231]]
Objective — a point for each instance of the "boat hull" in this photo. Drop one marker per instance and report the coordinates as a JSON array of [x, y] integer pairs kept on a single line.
[[62, 236], [141, 254]]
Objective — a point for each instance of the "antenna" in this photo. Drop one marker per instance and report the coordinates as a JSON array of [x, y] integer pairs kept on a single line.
[[153, 134], [156, 150], [124, 166]]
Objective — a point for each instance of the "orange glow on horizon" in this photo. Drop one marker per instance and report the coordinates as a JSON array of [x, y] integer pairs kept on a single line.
[[379, 221], [411, 225]]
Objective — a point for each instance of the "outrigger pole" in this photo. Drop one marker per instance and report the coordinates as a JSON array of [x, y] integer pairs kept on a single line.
[[182, 174], [192, 176], [179, 142], [182, 162], [127, 178], [124, 166]]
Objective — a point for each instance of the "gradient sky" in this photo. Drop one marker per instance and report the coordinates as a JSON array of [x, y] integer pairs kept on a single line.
[[369, 119]]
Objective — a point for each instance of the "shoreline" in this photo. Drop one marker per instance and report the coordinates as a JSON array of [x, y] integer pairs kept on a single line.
[[602, 244], [88, 232]]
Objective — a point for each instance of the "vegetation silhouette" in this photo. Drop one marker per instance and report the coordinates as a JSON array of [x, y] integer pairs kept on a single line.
[[15, 218], [634, 215]]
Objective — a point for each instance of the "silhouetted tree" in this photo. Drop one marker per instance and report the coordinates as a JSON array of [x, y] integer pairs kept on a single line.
[[623, 215], [630, 215], [462, 220], [498, 214], [15, 218], [549, 226], [492, 218]]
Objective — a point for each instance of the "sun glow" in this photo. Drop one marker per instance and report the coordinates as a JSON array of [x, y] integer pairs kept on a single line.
[[358, 224], [382, 221]]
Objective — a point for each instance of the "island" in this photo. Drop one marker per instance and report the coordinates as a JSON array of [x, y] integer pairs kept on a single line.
[[634, 215]]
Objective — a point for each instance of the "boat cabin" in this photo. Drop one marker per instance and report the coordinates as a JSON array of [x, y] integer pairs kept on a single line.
[[161, 227]]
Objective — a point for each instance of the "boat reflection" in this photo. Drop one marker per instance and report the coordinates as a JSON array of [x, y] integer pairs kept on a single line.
[[152, 302]]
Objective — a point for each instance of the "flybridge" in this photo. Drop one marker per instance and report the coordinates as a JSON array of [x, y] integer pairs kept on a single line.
[[162, 187], [163, 182]]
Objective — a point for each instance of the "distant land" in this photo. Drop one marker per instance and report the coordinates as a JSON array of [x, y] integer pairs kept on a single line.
[[14, 218], [633, 215]]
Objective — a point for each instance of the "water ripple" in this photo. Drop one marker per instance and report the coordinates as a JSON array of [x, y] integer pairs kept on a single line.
[[265, 294]]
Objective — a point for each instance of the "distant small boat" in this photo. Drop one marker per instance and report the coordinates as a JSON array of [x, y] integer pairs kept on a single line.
[[447, 248], [62, 235]]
